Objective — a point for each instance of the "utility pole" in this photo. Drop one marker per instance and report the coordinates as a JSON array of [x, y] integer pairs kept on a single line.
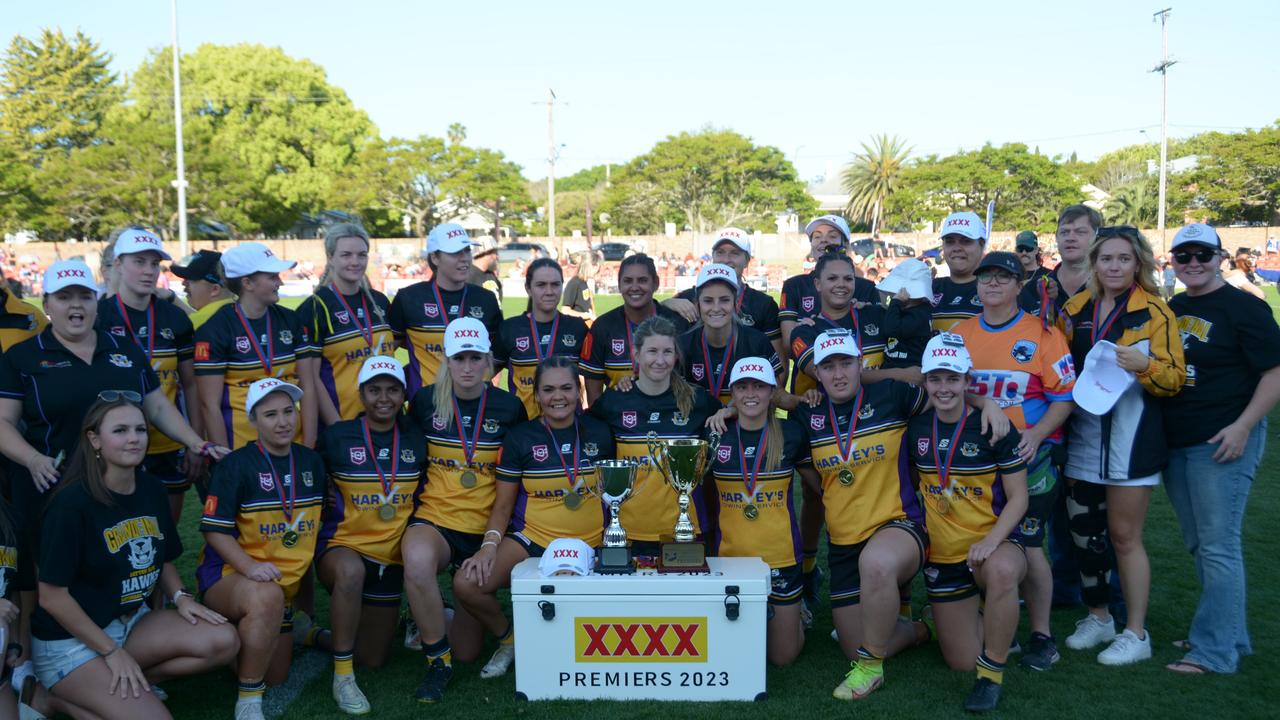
[[551, 164], [181, 182], [1163, 69]]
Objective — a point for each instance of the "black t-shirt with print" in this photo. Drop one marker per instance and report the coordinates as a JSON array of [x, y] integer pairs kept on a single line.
[[17, 565]]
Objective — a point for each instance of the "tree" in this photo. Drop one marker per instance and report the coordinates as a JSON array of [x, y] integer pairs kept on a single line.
[[1237, 178], [1134, 203], [704, 180], [872, 177]]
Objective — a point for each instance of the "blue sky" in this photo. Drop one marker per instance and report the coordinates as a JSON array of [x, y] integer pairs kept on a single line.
[[812, 78]]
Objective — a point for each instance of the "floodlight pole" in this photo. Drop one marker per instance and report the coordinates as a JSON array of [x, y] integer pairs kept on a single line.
[[181, 182], [1163, 69]]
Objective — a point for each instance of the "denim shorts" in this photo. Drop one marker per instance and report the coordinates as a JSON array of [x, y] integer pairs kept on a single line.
[[56, 659]]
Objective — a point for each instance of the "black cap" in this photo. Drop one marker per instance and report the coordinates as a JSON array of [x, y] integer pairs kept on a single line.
[[201, 266], [1001, 260]]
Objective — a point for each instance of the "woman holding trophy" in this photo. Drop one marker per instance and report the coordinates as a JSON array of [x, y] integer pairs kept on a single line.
[[752, 471], [543, 475]]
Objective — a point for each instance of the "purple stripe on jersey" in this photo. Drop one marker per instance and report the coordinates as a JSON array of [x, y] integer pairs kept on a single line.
[[227, 422], [329, 527], [796, 545], [328, 383], [910, 502], [413, 375], [209, 570], [48, 433], [521, 507], [998, 499]]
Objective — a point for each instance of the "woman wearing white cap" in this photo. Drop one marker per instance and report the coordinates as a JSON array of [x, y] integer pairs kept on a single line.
[[346, 321], [420, 312], [800, 296], [48, 381], [1216, 427], [712, 347], [109, 543], [260, 525], [375, 465], [1116, 448], [252, 338], [975, 493], [547, 465], [164, 334], [964, 239], [752, 472], [465, 419]]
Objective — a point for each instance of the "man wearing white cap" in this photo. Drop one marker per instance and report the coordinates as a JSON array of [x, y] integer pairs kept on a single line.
[[420, 312], [260, 526], [711, 348], [800, 299], [252, 338], [165, 335], [955, 298]]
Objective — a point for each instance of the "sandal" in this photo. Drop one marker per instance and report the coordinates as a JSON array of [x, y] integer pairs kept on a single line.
[[1186, 667], [1183, 645]]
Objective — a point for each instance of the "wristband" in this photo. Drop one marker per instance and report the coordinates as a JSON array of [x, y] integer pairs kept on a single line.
[[488, 542], [179, 594], [495, 532]]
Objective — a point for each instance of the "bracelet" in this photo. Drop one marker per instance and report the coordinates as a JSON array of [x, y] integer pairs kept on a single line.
[[488, 542], [179, 594], [206, 447], [495, 532]]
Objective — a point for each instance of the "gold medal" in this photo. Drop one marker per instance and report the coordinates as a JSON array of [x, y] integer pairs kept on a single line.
[[751, 511], [468, 479], [387, 512], [290, 538], [944, 504], [572, 500], [845, 476]]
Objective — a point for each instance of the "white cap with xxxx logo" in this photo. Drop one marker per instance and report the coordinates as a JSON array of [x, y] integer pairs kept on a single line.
[[946, 351], [248, 258], [835, 342], [376, 365], [68, 273], [753, 368], [260, 389], [465, 334]]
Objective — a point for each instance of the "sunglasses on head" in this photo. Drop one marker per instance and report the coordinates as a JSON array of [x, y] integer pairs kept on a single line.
[[114, 395], [1113, 231], [1202, 256]]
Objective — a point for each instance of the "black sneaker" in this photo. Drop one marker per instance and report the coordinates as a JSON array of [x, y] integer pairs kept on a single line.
[[1041, 653], [813, 587], [432, 688], [984, 696]]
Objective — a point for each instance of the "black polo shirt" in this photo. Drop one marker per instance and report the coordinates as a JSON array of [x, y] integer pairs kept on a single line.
[[800, 296], [755, 309], [606, 355], [56, 387]]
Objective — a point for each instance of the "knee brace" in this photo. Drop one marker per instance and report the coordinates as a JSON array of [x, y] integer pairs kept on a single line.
[[1087, 517]]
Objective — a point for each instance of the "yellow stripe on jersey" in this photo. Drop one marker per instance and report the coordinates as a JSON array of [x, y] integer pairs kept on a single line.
[[355, 523], [772, 500], [444, 500], [652, 510], [546, 517]]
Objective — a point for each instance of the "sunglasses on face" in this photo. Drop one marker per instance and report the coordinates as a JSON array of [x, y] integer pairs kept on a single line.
[[114, 395], [1203, 256]]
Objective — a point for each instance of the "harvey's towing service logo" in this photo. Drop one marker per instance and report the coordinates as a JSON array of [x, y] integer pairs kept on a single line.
[[640, 639]]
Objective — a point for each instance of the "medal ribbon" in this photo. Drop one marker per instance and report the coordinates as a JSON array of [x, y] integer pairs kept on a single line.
[[750, 481], [845, 447], [387, 487], [150, 349], [469, 451], [366, 330], [551, 343], [286, 508], [572, 475], [944, 471], [1122, 304], [257, 346], [444, 310], [715, 380], [1046, 302]]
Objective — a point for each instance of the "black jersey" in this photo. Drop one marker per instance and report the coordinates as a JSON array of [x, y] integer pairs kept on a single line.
[[422, 311], [907, 331], [522, 344], [953, 302], [866, 324], [755, 309], [709, 367], [606, 356], [800, 297]]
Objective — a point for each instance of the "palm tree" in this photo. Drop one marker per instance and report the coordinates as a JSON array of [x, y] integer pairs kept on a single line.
[[873, 176], [1132, 204]]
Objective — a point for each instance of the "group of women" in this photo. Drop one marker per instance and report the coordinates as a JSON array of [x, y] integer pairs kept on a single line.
[[317, 454]]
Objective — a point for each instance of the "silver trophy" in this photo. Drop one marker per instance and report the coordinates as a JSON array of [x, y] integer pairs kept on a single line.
[[615, 483]]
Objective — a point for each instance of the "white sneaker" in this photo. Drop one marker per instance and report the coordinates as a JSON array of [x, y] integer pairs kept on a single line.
[[1091, 632], [500, 663], [1126, 649], [835, 635], [249, 710], [348, 696], [412, 638]]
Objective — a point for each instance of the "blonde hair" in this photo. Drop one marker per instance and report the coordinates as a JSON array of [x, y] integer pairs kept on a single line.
[[331, 238], [442, 391], [658, 325], [1146, 273]]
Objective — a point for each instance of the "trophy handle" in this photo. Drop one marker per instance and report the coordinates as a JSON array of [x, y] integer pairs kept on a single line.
[[658, 453]]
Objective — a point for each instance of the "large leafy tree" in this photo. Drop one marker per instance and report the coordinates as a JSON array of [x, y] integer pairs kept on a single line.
[[1237, 178], [872, 176]]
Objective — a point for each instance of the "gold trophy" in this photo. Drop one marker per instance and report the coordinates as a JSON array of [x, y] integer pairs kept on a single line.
[[683, 464], [615, 483]]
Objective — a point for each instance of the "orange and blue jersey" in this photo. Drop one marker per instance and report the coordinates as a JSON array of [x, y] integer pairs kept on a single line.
[[422, 311], [522, 344], [550, 465], [865, 323], [346, 329]]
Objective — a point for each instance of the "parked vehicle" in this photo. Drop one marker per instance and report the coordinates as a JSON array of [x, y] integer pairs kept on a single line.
[[613, 251], [867, 247], [526, 251]]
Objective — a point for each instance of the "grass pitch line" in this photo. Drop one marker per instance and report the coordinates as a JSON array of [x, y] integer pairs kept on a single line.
[[307, 666]]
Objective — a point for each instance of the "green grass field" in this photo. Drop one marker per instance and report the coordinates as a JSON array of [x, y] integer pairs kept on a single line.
[[919, 685]]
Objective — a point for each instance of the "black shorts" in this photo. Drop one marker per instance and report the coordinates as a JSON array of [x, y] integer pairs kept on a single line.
[[383, 584], [842, 561], [1030, 532], [462, 545], [951, 582], [786, 585], [169, 468], [531, 547]]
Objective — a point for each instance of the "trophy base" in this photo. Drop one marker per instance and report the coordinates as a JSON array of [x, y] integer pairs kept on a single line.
[[615, 561], [682, 557]]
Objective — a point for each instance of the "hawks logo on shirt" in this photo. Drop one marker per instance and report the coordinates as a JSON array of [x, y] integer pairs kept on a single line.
[[618, 346], [476, 312], [343, 317], [522, 343], [490, 426], [922, 446], [286, 337], [569, 341], [724, 452], [357, 455], [699, 371], [266, 482], [431, 310], [590, 449], [866, 412], [969, 450], [817, 422], [807, 303], [871, 329], [408, 456], [242, 344], [629, 418], [540, 453]]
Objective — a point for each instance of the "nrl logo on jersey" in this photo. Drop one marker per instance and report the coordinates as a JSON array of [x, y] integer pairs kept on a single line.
[[242, 344], [540, 453], [431, 310], [630, 418], [698, 370], [266, 481], [922, 446], [618, 346], [723, 453], [817, 422], [807, 303]]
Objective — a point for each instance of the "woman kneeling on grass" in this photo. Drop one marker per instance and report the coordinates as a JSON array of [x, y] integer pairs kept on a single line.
[[975, 492], [108, 540]]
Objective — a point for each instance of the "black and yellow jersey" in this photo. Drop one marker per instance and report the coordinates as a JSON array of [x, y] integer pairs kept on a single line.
[[19, 320], [250, 496], [422, 311], [963, 511], [709, 367], [755, 310], [234, 346], [457, 494], [865, 482], [954, 302], [346, 329], [800, 297], [651, 513], [164, 334], [606, 356], [757, 515], [522, 344], [368, 471], [866, 324], [541, 460]]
